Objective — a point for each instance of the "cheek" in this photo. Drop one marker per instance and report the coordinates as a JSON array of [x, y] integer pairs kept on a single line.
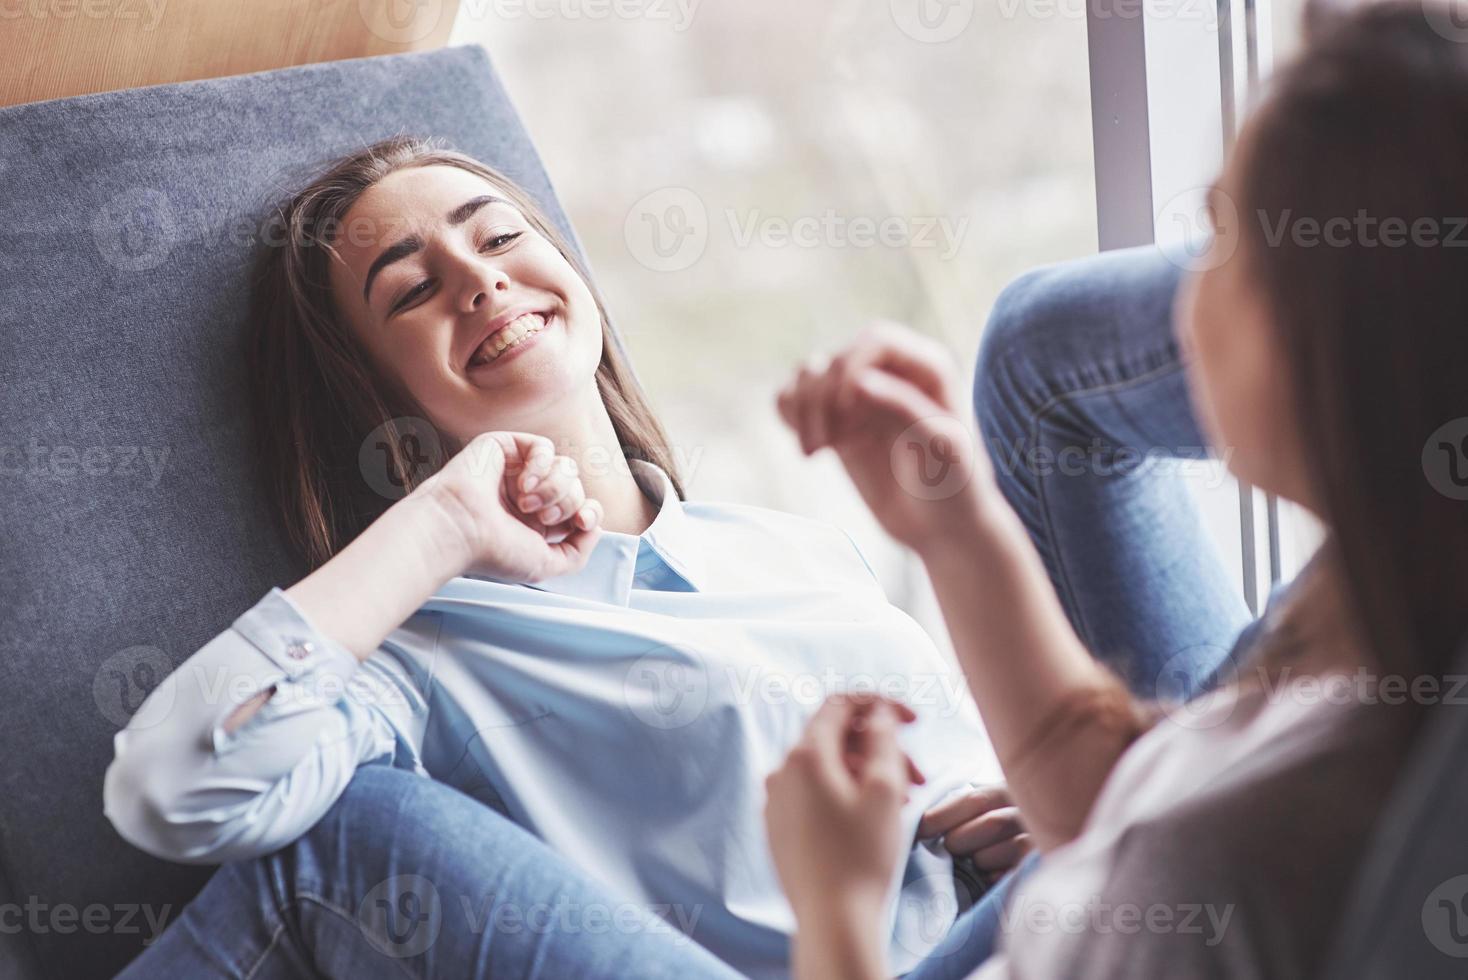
[[1238, 388]]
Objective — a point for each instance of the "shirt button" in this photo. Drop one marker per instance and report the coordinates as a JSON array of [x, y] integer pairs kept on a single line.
[[299, 649]]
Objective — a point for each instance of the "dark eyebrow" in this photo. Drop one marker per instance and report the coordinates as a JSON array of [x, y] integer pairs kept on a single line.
[[391, 254], [465, 211], [408, 246]]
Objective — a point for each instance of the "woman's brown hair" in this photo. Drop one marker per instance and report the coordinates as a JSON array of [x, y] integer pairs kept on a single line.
[[1368, 126], [318, 396]]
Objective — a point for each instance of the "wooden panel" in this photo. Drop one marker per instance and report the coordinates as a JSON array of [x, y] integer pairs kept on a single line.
[[56, 48]]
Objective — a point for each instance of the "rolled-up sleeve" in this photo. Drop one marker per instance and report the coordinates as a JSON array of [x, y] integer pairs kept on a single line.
[[183, 788]]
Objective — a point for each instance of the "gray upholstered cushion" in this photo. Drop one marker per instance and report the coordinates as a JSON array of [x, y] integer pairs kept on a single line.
[[126, 229]]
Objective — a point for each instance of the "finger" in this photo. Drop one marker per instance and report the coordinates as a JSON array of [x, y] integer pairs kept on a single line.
[[566, 506], [1004, 855], [985, 831], [535, 455], [571, 552], [916, 358], [822, 388], [554, 481], [974, 803], [589, 516], [893, 395], [556, 487], [865, 700], [885, 773], [808, 408]]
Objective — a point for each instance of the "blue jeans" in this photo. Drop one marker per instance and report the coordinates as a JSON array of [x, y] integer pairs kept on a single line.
[[1080, 400]]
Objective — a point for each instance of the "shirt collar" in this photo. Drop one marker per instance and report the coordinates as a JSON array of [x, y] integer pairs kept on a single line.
[[610, 571]]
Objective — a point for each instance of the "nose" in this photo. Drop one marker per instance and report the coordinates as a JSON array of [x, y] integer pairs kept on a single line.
[[479, 283]]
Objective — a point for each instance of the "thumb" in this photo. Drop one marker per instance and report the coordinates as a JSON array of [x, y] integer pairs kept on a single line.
[[886, 770]]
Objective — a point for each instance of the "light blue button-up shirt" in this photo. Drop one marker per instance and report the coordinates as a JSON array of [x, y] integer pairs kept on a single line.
[[627, 714]]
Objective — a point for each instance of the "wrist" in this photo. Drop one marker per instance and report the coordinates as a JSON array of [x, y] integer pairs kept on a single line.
[[980, 520], [840, 937], [441, 528]]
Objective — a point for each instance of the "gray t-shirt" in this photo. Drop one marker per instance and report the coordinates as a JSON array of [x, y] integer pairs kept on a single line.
[[1222, 844]]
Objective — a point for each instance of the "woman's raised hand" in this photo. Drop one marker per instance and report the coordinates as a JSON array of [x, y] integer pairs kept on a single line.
[[518, 508], [886, 404]]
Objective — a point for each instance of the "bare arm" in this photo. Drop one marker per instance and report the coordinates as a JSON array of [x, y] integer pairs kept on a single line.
[[1057, 718]]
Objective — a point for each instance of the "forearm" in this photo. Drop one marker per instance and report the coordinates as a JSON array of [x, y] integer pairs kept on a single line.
[[375, 583], [370, 587], [1057, 718], [839, 941]]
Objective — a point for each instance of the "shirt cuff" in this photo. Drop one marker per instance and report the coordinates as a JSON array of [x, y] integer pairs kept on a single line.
[[307, 669]]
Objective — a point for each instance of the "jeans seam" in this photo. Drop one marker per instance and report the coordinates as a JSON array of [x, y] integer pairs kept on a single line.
[[270, 946], [342, 914], [1036, 417]]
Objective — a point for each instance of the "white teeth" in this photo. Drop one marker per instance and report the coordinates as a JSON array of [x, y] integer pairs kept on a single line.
[[516, 331]]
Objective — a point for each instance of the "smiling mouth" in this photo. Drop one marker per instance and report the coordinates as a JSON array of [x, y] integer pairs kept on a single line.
[[507, 338]]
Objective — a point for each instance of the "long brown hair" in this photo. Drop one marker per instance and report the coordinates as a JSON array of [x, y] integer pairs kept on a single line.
[[317, 396], [1368, 125]]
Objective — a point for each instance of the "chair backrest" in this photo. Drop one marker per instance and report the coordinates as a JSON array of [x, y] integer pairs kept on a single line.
[[133, 524], [1408, 912]]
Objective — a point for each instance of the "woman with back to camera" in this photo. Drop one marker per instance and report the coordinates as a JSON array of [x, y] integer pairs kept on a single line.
[[540, 624], [1325, 348]]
